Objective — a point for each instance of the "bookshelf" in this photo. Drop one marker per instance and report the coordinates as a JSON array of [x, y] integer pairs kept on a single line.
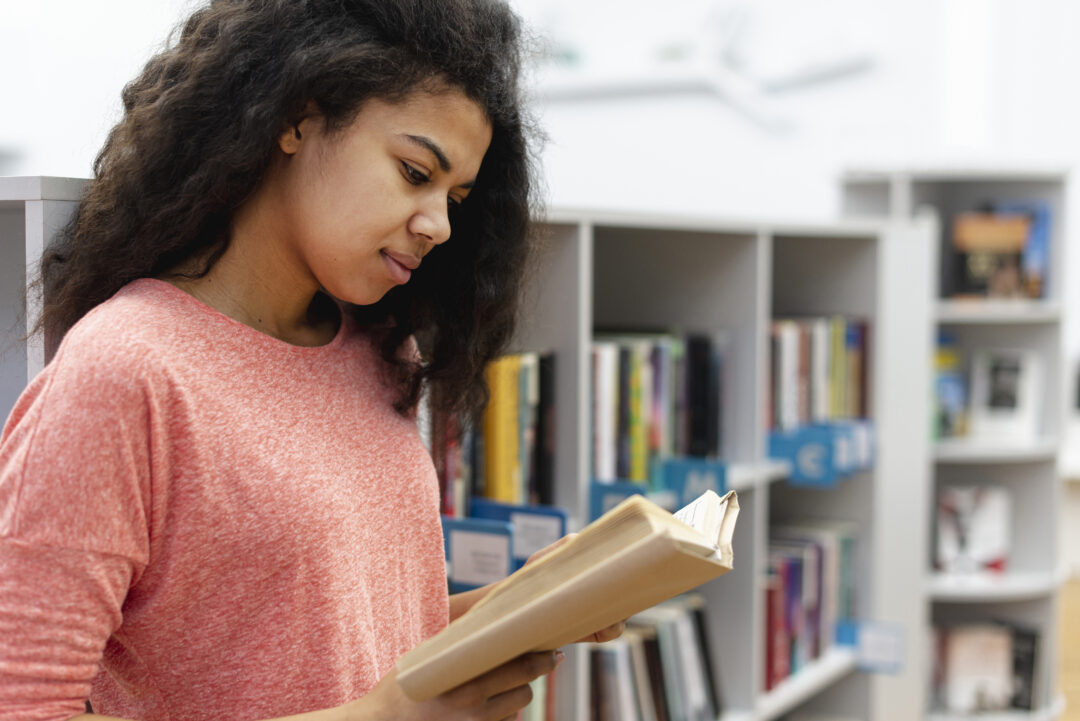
[[31, 211], [603, 269], [1027, 594]]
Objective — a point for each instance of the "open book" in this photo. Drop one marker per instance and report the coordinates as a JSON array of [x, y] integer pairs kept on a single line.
[[634, 556]]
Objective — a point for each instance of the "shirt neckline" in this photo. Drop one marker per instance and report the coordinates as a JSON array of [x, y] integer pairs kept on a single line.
[[157, 285]]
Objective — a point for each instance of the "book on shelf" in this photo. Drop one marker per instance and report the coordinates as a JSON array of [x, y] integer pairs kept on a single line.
[[808, 592], [684, 684], [973, 529], [950, 389], [1001, 250], [819, 369], [985, 666], [631, 558], [655, 395], [1006, 390], [508, 453]]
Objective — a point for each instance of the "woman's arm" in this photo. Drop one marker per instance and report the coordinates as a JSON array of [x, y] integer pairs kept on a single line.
[[498, 694]]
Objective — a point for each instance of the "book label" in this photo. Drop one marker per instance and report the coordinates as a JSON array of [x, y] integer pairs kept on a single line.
[[478, 558], [533, 532], [879, 646]]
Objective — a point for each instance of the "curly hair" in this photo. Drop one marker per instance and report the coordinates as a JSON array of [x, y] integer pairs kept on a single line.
[[199, 131]]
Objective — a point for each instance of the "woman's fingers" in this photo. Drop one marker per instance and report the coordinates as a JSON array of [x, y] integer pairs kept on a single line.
[[548, 549], [511, 676], [508, 703], [610, 633]]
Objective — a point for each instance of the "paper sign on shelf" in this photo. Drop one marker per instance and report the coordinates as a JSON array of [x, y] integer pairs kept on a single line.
[[532, 527], [477, 552], [688, 478], [879, 646]]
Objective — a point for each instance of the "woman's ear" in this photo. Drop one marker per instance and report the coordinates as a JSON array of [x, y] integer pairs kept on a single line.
[[292, 137]]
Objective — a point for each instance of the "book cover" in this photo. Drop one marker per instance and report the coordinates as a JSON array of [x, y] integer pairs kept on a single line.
[[632, 558], [655, 665], [978, 668], [605, 410], [974, 529], [989, 248], [639, 666], [545, 433], [1006, 394], [500, 422], [1025, 661], [528, 409], [1035, 257]]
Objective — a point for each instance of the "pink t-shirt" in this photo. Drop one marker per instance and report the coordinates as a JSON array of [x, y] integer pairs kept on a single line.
[[200, 521]]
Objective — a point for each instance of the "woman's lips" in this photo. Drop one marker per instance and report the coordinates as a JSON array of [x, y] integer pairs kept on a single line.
[[401, 266]]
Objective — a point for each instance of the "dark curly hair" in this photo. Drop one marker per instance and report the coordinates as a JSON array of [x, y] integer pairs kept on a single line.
[[199, 132]]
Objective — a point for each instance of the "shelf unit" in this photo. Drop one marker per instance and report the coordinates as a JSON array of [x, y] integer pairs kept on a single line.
[[608, 270], [1028, 592], [605, 270], [32, 210]]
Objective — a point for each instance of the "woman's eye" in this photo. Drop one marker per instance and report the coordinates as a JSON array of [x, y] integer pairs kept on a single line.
[[413, 175], [452, 203]]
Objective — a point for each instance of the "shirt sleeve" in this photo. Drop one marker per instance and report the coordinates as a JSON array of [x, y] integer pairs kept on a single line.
[[75, 507]]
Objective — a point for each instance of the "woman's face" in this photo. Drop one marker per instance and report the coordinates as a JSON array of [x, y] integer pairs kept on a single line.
[[361, 207]]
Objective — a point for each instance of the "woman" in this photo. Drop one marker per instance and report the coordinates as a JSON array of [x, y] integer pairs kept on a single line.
[[213, 501]]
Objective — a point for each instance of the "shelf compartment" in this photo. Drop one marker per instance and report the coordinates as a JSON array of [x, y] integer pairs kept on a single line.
[[834, 664], [970, 450], [1050, 713], [995, 312], [986, 588]]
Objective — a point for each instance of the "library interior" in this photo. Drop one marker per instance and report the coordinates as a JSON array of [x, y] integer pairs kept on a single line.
[[823, 255]]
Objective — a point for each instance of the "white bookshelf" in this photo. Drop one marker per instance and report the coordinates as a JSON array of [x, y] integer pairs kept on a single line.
[[608, 270], [963, 450], [1028, 592], [1051, 712], [32, 210], [602, 269]]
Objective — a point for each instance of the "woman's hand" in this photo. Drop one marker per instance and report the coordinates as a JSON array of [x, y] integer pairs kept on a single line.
[[605, 634], [497, 695]]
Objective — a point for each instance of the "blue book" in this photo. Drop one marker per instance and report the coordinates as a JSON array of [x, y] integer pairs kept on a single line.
[[531, 527], [477, 552], [1035, 258]]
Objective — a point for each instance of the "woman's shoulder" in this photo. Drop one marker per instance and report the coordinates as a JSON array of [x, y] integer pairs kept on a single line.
[[137, 322]]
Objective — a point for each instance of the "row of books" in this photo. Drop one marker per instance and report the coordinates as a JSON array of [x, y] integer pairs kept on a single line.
[[659, 670], [984, 667], [818, 371], [809, 590], [508, 455], [654, 396], [999, 250]]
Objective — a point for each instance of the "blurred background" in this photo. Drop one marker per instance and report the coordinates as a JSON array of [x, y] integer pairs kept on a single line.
[[732, 107]]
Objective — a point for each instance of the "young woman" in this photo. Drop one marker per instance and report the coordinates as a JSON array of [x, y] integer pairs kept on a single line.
[[214, 503]]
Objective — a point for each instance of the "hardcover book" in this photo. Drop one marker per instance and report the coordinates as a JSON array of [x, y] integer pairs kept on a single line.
[[630, 559]]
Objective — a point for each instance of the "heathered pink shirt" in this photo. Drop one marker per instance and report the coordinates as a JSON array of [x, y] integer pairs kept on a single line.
[[199, 521]]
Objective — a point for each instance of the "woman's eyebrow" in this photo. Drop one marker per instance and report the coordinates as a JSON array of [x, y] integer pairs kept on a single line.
[[433, 147], [430, 145]]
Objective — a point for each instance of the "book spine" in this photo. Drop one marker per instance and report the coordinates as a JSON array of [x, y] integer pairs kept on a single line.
[[545, 432], [501, 431]]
